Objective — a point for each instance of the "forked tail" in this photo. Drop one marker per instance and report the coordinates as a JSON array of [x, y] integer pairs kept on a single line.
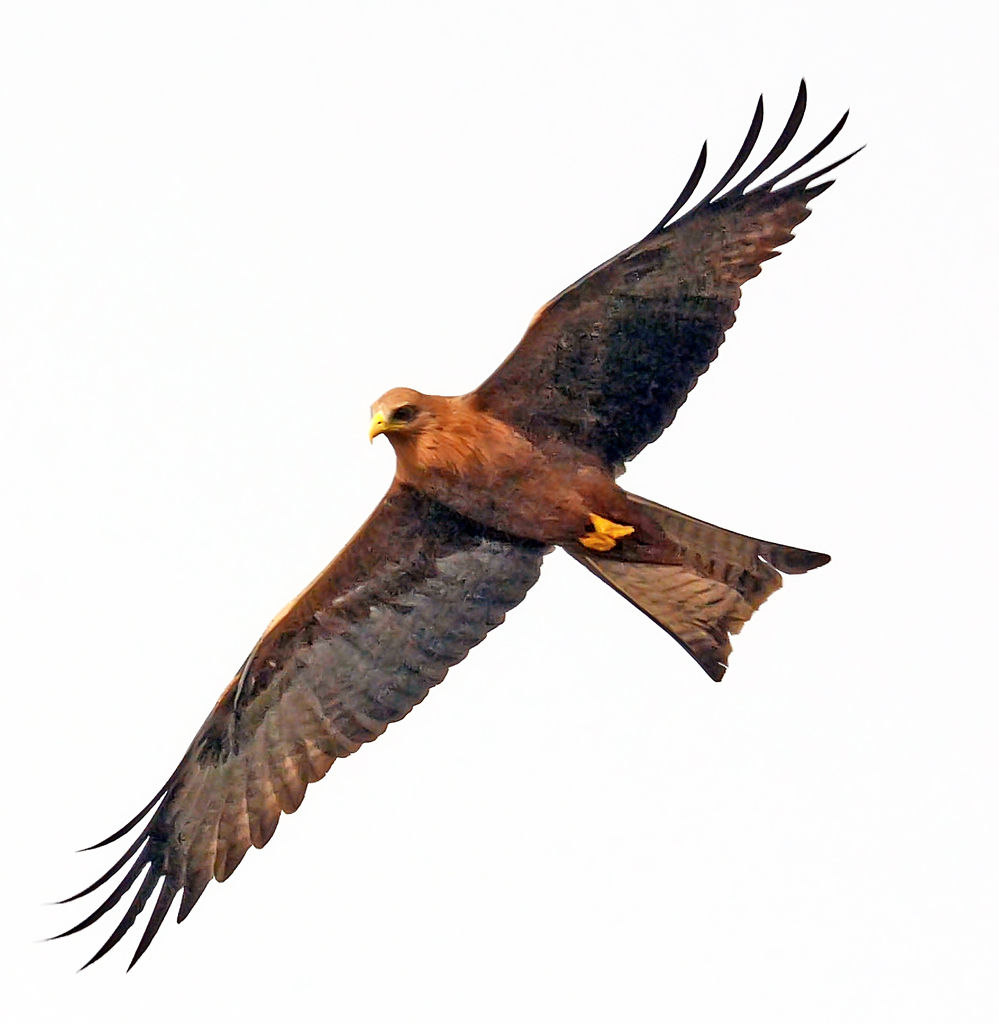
[[722, 579]]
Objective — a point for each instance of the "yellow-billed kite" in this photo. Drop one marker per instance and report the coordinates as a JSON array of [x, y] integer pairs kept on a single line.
[[486, 484]]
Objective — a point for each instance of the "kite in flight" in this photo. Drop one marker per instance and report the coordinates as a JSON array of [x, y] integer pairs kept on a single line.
[[486, 485]]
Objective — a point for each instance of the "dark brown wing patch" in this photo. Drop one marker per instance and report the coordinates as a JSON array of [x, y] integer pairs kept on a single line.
[[415, 589], [609, 361]]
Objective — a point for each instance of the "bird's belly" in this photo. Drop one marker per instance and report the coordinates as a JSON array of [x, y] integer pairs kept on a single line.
[[546, 505]]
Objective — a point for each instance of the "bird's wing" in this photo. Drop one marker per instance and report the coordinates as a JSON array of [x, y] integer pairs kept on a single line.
[[412, 592], [609, 361]]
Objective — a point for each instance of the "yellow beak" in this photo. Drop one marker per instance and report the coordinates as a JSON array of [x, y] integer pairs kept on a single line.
[[378, 426]]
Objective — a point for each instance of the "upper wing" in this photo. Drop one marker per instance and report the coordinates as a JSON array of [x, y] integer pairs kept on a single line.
[[416, 587], [607, 363]]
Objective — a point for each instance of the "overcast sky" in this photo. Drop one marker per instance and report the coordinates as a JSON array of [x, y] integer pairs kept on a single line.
[[224, 230]]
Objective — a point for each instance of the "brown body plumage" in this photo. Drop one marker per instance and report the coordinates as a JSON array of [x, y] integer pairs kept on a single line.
[[486, 483], [452, 450]]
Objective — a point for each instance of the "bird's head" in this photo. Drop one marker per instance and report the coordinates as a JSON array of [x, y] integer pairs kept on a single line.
[[400, 413]]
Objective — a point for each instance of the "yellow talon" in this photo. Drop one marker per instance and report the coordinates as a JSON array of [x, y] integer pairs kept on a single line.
[[605, 534], [597, 542]]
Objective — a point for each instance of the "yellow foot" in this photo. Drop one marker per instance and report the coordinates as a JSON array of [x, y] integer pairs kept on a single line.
[[605, 534]]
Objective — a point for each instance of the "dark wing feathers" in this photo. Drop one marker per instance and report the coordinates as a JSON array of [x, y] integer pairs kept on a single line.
[[416, 588], [608, 362], [741, 157], [687, 191], [777, 150]]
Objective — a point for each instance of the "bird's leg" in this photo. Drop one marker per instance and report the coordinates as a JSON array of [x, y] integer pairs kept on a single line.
[[605, 534]]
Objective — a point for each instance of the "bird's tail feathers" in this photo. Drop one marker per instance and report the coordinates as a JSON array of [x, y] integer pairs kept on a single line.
[[721, 579]]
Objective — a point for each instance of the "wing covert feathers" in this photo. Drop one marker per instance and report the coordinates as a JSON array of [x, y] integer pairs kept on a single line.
[[608, 362], [414, 590]]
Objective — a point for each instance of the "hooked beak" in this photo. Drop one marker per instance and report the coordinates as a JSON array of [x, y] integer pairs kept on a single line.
[[378, 426]]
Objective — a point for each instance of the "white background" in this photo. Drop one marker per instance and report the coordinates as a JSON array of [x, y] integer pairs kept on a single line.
[[224, 230]]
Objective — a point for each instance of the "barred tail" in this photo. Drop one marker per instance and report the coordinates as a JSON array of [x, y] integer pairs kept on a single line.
[[722, 579]]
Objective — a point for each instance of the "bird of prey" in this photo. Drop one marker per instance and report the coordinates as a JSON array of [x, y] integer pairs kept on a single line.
[[486, 485]]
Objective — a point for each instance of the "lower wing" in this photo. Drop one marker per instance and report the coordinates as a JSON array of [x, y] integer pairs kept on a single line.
[[406, 599]]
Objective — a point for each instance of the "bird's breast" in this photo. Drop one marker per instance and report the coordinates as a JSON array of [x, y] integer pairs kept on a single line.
[[501, 480]]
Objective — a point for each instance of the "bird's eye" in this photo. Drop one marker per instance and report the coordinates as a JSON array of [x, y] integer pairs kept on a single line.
[[404, 414]]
